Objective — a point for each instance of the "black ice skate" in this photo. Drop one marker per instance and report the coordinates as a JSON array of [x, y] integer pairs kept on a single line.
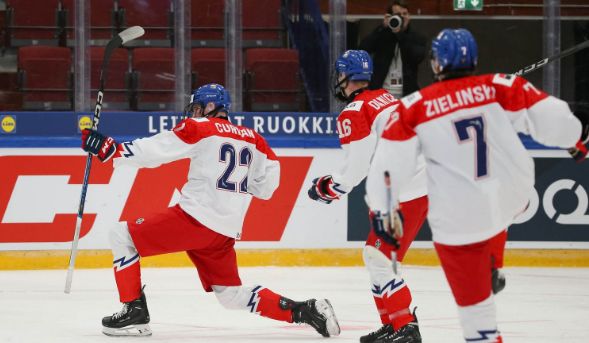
[[317, 313], [497, 281], [384, 331], [132, 320], [386, 334]]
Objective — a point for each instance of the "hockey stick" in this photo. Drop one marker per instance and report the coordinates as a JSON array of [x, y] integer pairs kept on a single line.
[[116, 42], [545, 61], [387, 183]]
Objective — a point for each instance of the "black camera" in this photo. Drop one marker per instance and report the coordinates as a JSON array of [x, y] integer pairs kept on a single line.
[[396, 22]]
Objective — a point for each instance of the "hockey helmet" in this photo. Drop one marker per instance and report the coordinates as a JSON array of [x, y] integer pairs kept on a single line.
[[454, 50], [210, 93], [352, 65], [356, 65]]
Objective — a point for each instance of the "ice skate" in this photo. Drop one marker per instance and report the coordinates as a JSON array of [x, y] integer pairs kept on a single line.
[[132, 320], [384, 331], [407, 334], [317, 313], [386, 334]]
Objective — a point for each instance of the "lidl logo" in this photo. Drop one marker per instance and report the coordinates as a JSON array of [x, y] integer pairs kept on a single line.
[[84, 122], [8, 124]]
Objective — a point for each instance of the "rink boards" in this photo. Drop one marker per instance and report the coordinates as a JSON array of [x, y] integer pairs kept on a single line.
[[40, 191]]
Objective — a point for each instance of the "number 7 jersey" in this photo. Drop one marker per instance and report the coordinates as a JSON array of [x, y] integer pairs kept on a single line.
[[479, 174], [228, 165]]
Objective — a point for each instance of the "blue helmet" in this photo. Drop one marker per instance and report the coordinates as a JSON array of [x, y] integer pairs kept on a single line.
[[214, 93], [355, 64], [455, 49]]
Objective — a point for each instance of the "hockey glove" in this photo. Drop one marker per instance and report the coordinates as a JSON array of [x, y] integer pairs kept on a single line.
[[579, 151], [325, 190], [98, 145], [389, 229]]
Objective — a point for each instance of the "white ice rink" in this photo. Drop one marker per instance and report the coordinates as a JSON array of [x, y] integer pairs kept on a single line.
[[538, 305]]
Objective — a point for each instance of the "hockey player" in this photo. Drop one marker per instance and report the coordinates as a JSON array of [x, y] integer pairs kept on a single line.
[[228, 165], [479, 174], [360, 124]]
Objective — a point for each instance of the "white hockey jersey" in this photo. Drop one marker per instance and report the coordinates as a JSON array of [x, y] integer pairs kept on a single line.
[[360, 124], [479, 174], [228, 164]]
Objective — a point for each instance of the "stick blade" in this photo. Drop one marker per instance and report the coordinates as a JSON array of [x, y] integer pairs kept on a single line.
[[131, 33]]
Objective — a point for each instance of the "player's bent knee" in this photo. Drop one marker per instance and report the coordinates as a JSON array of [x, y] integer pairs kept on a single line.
[[374, 258], [379, 266], [232, 297], [120, 237]]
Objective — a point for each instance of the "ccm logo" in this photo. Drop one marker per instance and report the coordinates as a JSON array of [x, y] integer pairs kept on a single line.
[[106, 144], [532, 67], [578, 217]]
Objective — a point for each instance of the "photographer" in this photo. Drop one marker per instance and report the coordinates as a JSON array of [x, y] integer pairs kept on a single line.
[[396, 50]]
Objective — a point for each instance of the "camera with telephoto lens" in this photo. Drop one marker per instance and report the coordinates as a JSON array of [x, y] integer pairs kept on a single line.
[[395, 22]]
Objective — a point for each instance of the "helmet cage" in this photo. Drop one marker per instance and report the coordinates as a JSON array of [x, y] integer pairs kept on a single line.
[[340, 85]]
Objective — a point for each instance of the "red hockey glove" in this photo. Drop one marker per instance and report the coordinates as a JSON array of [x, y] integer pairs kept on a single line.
[[390, 229], [579, 151], [98, 145], [325, 190]]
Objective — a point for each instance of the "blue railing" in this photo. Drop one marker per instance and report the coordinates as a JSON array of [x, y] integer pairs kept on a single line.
[[62, 129]]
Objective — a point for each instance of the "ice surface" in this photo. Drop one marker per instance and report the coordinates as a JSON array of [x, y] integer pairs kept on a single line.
[[538, 305]]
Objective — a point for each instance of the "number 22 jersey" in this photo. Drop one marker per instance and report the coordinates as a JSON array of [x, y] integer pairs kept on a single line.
[[228, 165]]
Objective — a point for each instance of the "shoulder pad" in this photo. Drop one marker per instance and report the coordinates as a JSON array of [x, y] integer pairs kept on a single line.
[[354, 106], [411, 99], [504, 79]]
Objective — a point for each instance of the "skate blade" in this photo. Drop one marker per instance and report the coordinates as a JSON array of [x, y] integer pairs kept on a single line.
[[131, 330], [324, 307]]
